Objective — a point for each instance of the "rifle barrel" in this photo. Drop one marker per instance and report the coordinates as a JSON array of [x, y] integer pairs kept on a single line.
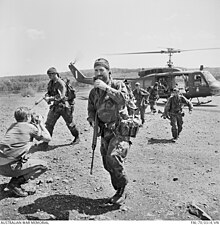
[[94, 141]]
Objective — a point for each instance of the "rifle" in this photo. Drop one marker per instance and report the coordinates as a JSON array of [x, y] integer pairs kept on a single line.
[[39, 100], [94, 141]]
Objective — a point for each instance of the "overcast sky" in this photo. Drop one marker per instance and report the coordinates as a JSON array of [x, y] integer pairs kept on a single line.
[[38, 34]]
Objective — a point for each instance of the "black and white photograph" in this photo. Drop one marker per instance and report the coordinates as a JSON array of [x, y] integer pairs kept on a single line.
[[110, 111]]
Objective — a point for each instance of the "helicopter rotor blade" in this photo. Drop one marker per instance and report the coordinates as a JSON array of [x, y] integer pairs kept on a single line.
[[137, 53], [198, 49], [168, 51]]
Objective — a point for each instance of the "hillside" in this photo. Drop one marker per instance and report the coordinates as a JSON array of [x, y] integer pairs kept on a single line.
[[38, 83]]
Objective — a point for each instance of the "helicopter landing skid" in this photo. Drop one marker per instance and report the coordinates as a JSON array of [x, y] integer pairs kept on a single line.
[[201, 103]]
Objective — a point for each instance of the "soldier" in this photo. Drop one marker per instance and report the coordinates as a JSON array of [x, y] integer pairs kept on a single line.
[[173, 111], [107, 103], [62, 105], [15, 161], [153, 97], [131, 103], [141, 97]]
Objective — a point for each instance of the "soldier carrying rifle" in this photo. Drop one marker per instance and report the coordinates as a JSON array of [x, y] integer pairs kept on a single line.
[[107, 101], [173, 112], [59, 93]]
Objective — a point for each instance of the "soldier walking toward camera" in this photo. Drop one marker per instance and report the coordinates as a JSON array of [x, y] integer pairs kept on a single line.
[[107, 105], [131, 106], [15, 161], [63, 104], [173, 111], [153, 97], [141, 96]]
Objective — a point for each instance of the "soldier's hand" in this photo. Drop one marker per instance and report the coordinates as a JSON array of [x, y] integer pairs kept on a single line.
[[92, 123], [100, 84], [190, 111], [47, 99], [40, 118]]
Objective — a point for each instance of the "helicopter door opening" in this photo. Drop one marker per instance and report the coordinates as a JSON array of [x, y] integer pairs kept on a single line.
[[163, 85]]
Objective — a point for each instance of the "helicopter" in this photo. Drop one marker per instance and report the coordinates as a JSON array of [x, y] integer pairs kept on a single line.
[[191, 83]]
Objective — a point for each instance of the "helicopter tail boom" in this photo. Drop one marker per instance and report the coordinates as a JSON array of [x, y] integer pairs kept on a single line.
[[79, 76]]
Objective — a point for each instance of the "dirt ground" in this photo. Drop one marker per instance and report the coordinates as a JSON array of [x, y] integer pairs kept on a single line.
[[164, 177]]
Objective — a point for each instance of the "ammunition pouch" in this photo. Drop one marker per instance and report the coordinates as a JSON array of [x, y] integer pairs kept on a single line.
[[107, 129], [129, 127]]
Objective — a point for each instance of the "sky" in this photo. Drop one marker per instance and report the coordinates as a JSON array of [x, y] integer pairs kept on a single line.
[[38, 34]]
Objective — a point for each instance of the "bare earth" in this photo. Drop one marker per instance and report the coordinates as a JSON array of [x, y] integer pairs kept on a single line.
[[165, 178]]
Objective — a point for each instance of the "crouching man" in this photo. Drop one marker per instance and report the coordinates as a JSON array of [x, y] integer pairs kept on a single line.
[[15, 162]]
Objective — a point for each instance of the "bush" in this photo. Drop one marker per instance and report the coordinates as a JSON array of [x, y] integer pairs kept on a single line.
[[28, 92]]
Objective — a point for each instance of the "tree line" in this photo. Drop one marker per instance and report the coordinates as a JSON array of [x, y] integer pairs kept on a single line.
[[38, 83]]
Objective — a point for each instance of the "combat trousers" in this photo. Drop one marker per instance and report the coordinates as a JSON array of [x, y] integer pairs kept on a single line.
[[141, 111], [114, 150], [67, 113], [30, 168], [176, 122], [153, 106]]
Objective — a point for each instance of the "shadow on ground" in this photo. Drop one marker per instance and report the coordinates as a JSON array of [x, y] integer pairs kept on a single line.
[[40, 147], [5, 194], [60, 205], [159, 141]]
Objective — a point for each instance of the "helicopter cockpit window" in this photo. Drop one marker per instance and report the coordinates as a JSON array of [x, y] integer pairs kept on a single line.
[[208, 76]]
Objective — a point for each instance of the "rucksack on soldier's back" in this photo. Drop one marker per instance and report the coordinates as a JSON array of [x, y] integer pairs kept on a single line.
[[71, 93]]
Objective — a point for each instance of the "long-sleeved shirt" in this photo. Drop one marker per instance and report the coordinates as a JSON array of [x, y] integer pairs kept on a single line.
[[176, 103], [109, 106], [18, 140], [140, 95], [57, 89]]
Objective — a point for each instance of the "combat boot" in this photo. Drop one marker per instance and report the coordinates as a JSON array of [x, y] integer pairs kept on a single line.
[[15, 186], [119, 196]]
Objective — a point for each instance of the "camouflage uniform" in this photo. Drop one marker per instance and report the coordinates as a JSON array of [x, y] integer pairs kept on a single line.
[[110, 109], [131, 105], [141, 98], [173, 110], [153, 98], [60, 107]]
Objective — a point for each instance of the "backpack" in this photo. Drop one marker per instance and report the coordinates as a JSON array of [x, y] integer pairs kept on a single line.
[[70, 92]]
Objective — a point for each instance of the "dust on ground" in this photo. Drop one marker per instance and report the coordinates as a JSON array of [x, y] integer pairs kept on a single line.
[[164, 177]]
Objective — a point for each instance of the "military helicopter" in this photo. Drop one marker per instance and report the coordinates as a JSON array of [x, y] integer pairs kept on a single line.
[[191, 83]]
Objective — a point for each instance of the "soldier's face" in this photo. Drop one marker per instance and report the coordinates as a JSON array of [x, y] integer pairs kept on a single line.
[[137, 87], [175, 93], [52, 76], [101, 73]]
